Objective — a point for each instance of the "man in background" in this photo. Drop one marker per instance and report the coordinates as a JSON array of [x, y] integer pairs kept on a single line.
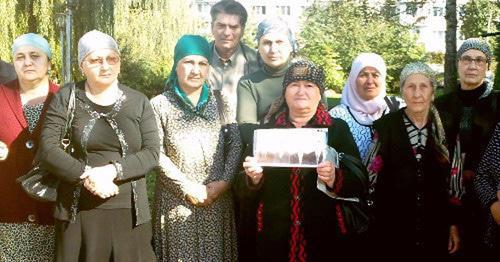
[[230, 59]]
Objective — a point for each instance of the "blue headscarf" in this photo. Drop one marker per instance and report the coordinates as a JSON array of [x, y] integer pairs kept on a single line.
[[276, 25], [186, 46], [34, 40]]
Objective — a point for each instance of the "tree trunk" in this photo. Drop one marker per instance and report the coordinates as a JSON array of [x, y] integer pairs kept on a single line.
[[497, 55], [450, 58]]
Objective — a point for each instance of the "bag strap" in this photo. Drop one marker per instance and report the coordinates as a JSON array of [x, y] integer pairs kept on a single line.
[[70, 112], [356, 167], [392, 103], [220, 106]]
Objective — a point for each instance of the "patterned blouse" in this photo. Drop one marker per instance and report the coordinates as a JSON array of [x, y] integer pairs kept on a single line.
[[32, 114], [487, 183], [362, 133]]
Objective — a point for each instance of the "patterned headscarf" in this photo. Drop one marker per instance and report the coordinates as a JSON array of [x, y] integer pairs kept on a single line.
[[477, 44], [417, 68], [307, 71], [95, 40], [276, 25], [300, 70], [438, 133], [33, 40], [365, 112]]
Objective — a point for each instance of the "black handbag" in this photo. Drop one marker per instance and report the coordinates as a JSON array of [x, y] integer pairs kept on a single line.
[[356, 215], [39, 183]]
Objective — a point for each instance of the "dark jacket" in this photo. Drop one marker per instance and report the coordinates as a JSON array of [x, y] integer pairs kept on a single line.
[[320, 215], [485, 114], [135, 120], [412, 205], [17, 206], [7, 72]]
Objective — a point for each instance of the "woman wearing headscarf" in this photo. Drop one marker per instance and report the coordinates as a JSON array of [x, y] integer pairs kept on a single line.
[[102, 211], [276, 46], [26, 226], [413, 214], [469, 115], [256, 92], [364, 99], [199, 155], [295, 220]]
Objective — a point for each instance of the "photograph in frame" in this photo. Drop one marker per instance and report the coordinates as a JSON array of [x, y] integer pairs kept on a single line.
[[290, 147]]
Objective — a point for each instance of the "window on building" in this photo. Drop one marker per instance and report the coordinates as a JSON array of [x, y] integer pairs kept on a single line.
[[283, 10], [438, 11], [259, 9]]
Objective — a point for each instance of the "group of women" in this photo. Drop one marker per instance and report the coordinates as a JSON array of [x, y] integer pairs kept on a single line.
[[118, 136]]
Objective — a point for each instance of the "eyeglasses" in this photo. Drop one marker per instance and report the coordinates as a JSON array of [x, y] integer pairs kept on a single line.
[[467, 60], [99, 61]]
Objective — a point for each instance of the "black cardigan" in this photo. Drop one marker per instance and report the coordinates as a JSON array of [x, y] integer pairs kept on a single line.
[[411, 217], [485, 115], [320, 220], [135, 120]]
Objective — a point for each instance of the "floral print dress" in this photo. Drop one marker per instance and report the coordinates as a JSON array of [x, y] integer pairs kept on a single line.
[[196, 149]]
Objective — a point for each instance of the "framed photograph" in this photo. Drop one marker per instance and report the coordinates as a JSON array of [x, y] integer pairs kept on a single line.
[[290, 147]]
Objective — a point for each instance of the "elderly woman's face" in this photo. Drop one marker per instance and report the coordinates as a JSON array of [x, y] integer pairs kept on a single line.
[[302, 96], [31, 64], [275, 49], [418, 93], [472, 74], [192, 71], [368, 83], [101, 67]]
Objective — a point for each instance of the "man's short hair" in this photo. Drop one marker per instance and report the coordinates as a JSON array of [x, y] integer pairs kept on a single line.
[[229, 7]]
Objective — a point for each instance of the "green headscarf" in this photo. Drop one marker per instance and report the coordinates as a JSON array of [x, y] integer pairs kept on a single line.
[[189, 45]]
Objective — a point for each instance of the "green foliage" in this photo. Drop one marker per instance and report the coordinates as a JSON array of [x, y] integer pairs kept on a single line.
[[9, 29], [147, 32], [36, 16], [435, 58], [478, 17], [336, 33], [250, 33]]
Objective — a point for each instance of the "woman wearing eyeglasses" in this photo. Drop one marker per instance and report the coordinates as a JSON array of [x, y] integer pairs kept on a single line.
[[102, 211], [26, 226], [469, 116]]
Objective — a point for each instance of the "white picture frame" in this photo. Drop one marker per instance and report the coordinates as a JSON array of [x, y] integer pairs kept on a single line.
[[290, 147]]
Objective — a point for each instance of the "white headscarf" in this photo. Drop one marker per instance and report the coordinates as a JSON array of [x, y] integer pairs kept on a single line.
[[365, 111]]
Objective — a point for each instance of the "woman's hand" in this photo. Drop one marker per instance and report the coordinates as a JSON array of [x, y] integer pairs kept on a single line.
[[454, 242], [214, 190], [196, 194], [495, 209], [194, 201], [4, 151], [326, 173], [253, 170], [102, 190], [99, 181]]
